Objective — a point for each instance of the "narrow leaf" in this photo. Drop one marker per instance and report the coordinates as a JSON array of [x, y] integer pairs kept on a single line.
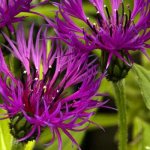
[[143, 79], [30, 145], [5, 136], [141, 135]]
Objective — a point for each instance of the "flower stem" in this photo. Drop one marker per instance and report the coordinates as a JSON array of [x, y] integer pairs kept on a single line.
[[121, 105]]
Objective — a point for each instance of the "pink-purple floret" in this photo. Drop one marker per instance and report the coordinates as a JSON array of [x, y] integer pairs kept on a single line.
[[43, 99], [121, 29], [9, 9]]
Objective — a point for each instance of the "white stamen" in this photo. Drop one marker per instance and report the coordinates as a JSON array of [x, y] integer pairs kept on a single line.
[[24, 72], [94, 24], [50, 66], [36, 79], [44, 87]]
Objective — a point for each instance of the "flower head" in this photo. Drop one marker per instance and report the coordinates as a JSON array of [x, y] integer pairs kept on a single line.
[[116, 31], [9, 9], [55, 89]]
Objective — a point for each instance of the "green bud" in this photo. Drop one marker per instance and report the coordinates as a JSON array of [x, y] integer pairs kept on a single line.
[[117, 69], [20, 127]]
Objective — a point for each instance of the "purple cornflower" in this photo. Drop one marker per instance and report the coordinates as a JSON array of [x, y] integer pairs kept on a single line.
[[117, 30], [9, 9], [55, 89]]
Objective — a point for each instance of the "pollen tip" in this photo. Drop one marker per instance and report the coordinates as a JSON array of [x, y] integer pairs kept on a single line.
[[50, 66], [57, 91], [36, 79], [24, 72], [97, 12], [105, 6], [44, 87], [94, 24]]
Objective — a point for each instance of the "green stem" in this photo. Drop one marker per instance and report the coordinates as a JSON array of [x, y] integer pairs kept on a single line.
[[121, 105]]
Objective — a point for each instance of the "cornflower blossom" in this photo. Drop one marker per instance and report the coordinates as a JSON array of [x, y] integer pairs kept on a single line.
[[55, 89], [116, 32], [9, 9]]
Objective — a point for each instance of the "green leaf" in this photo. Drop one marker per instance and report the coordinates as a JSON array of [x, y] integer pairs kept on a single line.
[[30, 145], [5, 136], [141, 135], [78, 136], [143, 79], [67, 144]]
